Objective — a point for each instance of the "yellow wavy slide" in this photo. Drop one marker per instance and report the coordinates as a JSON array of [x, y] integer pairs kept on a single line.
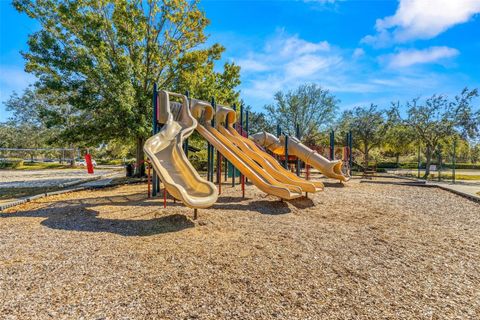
[[225, 118], [203, 111], [330, 169], [166, 154]]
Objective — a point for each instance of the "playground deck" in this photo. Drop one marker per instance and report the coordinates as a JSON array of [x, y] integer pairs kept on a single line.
[[358, 251]]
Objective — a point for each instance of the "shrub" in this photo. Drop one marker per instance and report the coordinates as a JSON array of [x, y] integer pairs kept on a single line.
[[462, 166], [198, 159], [11, 164], [115, 162], [387, 165], [414, 165]]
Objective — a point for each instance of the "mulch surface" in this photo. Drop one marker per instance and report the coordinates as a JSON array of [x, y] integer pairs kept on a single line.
[[362, 251]]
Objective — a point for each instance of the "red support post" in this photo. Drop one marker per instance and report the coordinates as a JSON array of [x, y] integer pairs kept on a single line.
[[88, 161], [308, 170]]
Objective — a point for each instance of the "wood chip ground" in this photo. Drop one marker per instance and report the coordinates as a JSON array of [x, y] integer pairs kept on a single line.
[[362, 251]]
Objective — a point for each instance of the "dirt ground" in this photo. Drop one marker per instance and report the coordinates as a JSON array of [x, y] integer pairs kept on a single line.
[[362, 251]]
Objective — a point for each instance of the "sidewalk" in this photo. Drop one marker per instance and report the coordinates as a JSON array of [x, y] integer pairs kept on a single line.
[[103, 181], [467, 189], [94, 182]]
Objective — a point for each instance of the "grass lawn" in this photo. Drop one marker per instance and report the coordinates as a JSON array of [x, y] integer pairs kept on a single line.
[[446, 176], [44, 165]]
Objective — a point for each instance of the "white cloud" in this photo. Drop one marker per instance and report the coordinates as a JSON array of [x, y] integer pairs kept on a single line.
[[309, 65], [406, 58], [358, 52], [286, 61], [286, 46], [421, 19], [248, 65]]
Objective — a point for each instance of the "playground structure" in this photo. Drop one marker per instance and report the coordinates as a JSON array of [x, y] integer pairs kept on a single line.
[[167, 149], [285, 145]]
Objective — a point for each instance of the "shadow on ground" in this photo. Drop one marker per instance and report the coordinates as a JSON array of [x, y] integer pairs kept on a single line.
[[80, 215], [260, 206], [77, 215], [302, 203], [333, 184]]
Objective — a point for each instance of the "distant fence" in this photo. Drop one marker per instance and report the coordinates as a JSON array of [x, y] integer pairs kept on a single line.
[[63, 154]]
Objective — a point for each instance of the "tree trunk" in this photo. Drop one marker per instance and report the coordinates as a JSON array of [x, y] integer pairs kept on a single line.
[[140, 158], [365, 152], [428, 156], [397, 159]]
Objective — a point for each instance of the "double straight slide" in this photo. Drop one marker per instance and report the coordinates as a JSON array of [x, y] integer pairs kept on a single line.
[[204, 113]]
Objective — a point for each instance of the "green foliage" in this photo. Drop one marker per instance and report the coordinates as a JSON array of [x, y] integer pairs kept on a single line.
[[101, 59], [475, 153], [28, 126], [368, 127], [198, 159], [399, 140], [468, 166], [6, 135], [258, 122], [115, 162], [11, 164], [114, 149], [197, 76], [13, 135], [439, 119], [310, 106]]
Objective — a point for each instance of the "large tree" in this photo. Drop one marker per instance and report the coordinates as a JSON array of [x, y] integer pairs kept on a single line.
[[438, 119], [103, 57], [399, 140], [475, 153], [25, 128], [310, 106], [258, 122], [46, 120], [368, 126]]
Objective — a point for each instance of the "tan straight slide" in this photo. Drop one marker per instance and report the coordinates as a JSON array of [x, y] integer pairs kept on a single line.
[[225, 118], [203, 111], [330, 169], [166, 154]]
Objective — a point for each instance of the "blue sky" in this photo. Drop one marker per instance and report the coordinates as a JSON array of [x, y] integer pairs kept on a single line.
[[363, 51]]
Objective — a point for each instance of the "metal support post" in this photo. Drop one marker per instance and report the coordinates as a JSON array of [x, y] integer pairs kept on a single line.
[[154, 131], [286, 153], [454, 159], [332, 145]]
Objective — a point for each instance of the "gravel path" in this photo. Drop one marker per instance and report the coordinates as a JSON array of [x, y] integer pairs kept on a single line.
[[44, 178], [364, 251]]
